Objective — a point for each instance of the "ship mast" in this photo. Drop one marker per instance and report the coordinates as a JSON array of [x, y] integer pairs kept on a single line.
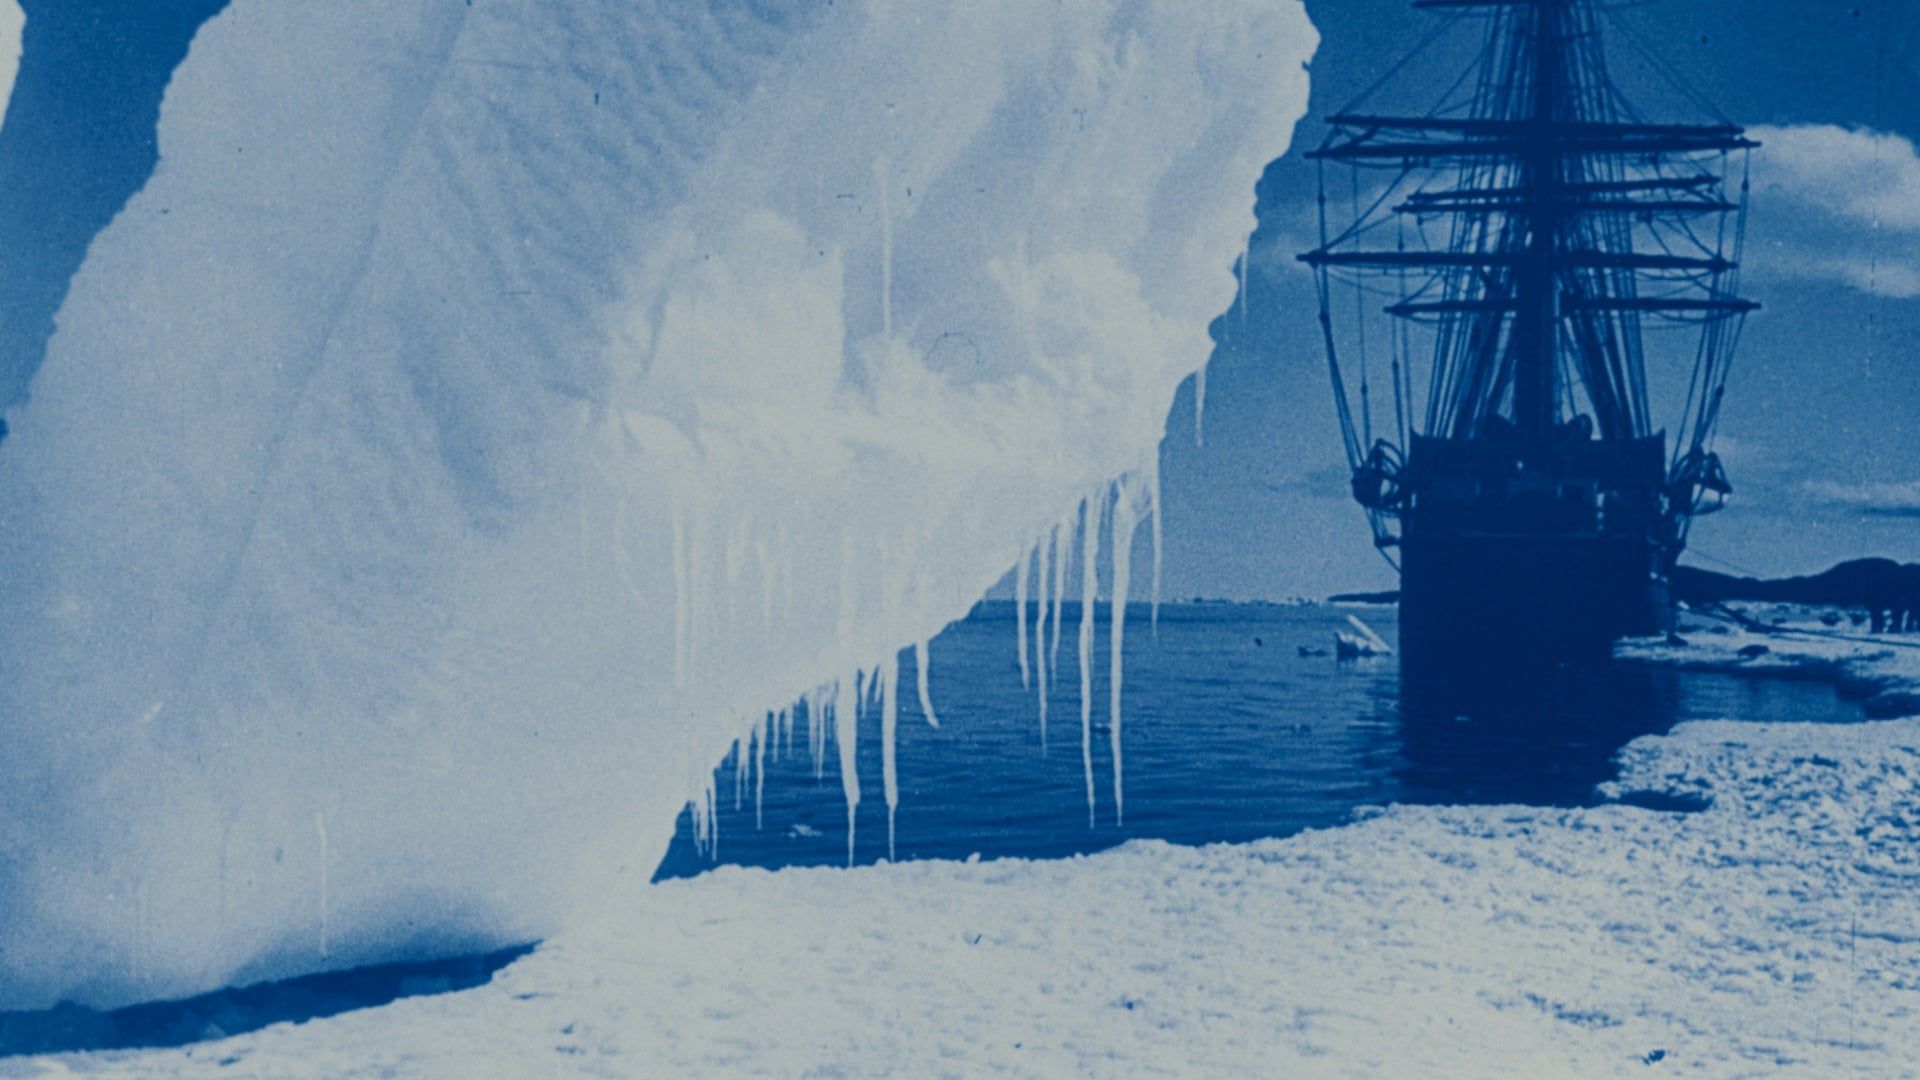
[[1535, 351], [1539, 223]]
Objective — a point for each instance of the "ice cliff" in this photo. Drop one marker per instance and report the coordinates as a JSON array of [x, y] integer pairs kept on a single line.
[[488, 411]]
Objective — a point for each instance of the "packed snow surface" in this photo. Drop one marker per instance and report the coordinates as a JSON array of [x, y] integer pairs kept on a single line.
[[1775, 932], [489, 411]]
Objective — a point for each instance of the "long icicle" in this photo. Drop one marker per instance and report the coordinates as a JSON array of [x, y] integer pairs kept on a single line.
[[711, 799], [1062, 537], [1153, 494], [1124, 523], [889, 678], [1089, 586], [682, 598], [739, 772], [326, 914], [1045, 549], [880, 181], [763, 559], [1200, 406], [920, 662], [764, 733], [817, 731], [699, 590], [1020, 614], [846, 732]]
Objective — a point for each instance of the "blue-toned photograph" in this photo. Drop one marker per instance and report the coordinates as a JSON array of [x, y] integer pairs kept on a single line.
[[1053, 538]]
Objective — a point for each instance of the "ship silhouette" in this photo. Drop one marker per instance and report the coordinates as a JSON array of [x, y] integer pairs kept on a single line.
[[1501, 264]]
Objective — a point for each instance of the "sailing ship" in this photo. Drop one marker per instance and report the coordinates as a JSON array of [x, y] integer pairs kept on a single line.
[[1528, 252]]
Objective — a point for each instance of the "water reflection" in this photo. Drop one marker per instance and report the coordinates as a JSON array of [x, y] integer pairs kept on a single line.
[[1518, 734]]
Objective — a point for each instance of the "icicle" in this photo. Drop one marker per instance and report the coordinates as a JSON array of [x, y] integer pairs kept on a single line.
[[763, 556], [846, 733], [733, 561], [710, 808], [764, 731], [784, 563], [1200, 406], [817, 731], [1020, 615], [880, 180], [142, 937], [226, 855], [1246, 277], [920, 677], [1153, 494], [320, 826], [1124, 523], [703, 809], [710, 798], [1060, 537], [698, 589], [1089, 587], [697, 816], [889, 679], [739, 772], [681, 598], [1040, 633]]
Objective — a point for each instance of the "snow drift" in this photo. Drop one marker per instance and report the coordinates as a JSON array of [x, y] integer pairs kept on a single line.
[[486, 413]]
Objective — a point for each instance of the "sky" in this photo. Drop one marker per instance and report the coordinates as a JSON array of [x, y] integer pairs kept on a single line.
[[77, 142], [1816, 432]]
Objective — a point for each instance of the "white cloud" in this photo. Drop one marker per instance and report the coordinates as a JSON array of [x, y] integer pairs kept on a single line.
[[1837, 204], [1869, 176], [1887, 498]]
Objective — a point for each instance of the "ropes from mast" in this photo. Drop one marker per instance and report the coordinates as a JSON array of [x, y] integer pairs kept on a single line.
[[1543, 229]]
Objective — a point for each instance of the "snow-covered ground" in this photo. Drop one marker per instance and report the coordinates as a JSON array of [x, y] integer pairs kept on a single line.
[[1777, 930]]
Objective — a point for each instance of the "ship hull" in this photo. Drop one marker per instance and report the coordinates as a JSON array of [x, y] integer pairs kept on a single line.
[[1471, 601]]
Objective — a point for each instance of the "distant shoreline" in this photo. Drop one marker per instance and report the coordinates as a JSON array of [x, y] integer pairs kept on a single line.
[[1384, 597]]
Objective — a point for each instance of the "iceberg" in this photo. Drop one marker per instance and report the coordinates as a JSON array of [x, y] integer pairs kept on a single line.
[[487, 413]]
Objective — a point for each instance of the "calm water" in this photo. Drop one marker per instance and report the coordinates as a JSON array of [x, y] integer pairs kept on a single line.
[[1229, 734]]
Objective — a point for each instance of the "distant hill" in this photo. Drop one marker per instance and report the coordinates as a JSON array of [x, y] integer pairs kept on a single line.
[[1865, 583]]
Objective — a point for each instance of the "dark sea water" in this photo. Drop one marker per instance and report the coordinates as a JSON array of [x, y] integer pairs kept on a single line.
[[1230, 734]]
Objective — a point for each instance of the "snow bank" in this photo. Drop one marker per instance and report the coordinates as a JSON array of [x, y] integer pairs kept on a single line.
[[489, 411], [1777, 930]]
